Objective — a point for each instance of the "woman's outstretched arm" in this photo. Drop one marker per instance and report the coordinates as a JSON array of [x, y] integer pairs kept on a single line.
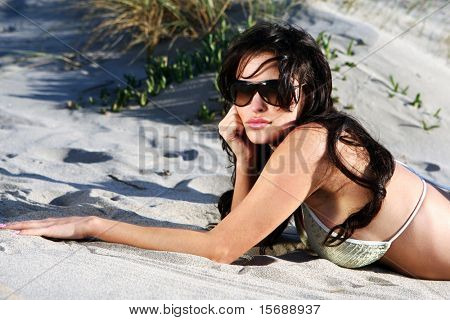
[[154, 238], [195, 242], [294, 171]]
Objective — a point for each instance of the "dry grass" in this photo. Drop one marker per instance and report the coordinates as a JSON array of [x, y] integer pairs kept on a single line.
[[127, 23]]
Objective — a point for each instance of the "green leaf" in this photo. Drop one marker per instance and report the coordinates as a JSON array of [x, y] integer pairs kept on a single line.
[[350, 52], [143, 99], [350, 64], [436, 114]]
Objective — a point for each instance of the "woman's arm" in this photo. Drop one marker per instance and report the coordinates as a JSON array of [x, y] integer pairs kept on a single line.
[[245, 179], [195, 242], [293, 172], [155, 238]]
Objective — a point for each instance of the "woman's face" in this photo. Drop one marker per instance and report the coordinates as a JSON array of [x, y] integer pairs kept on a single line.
[[263, 122]]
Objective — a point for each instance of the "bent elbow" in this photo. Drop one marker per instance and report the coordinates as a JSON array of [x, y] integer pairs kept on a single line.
[[221, 252], [222, 255]]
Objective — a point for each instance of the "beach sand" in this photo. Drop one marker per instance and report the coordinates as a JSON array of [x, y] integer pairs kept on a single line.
[[57, 162]]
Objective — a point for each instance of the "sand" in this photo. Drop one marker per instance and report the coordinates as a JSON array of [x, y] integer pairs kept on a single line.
[[58, 162]]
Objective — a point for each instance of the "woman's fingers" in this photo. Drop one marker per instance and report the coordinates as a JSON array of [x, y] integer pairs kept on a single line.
[[27, 224], [231, 126], [63, 228], [35, 232], [53, 231], [33, 224]]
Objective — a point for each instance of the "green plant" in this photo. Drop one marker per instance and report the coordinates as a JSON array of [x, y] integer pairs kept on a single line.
[[205, 114], [404, 91], [73, 105], [350, 51], [436, 113], [349, 107], [160, 72], [427, 127], [350, 64], [324, 41], [256, 10], [335, 99], [127, 23], [104, 96], [394, 84], [91, 100], [182, 67], [417, 102], [157, 70], [220, 99], [130, 80], [123, 97], [142, 98], [395, 87], [336, 68], [348, 4]]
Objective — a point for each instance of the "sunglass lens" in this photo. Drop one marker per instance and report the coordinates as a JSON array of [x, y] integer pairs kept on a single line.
[[270, 94], [242, 93]]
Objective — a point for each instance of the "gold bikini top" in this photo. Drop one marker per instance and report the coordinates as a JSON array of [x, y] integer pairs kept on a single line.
[[352, 253]]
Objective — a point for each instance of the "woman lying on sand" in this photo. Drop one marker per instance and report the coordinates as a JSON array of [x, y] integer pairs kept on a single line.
[[294, 153]]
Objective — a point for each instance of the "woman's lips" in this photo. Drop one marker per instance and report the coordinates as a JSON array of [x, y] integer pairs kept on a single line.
[[257, 123]]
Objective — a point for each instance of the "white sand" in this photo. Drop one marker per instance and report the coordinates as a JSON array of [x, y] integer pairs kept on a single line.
[[56, 162]]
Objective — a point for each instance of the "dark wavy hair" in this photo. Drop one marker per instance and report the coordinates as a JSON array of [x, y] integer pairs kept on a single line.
[[302, 59]]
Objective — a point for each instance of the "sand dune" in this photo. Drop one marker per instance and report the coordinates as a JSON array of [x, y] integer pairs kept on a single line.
[[57, 162]]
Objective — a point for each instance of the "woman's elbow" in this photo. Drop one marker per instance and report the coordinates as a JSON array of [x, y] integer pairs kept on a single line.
[[222, 256], [221, 252]]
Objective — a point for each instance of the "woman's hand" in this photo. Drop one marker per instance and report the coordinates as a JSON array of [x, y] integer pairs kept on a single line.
[[62, 228], [232, 131]]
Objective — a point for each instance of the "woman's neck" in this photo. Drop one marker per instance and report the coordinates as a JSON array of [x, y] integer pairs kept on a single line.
[[276, 143]]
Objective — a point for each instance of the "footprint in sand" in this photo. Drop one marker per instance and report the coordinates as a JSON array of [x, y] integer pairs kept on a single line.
[[380, 281], [431, 167], [186, 155], [83, 156], [73, 198], [171, 154]]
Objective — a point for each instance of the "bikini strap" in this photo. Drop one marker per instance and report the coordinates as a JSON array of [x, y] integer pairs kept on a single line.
[[413, 214]]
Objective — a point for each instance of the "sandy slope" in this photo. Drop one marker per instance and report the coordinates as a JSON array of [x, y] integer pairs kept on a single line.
[[56, 162]]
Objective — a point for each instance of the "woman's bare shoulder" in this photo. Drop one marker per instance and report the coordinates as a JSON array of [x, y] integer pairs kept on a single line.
[[313, 127], [310, 138], [306, 146]]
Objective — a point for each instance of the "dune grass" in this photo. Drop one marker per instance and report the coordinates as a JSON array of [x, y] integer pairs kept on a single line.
[[126, 24], [129, 23], [145, 23]]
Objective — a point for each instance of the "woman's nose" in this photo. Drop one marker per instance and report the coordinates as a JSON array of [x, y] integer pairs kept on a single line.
[[258, 104]]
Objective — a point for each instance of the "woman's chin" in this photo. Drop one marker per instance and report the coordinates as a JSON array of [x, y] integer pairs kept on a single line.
[[260, 137]]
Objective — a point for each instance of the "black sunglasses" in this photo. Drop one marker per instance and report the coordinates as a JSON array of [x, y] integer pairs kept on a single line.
[[242, 92]]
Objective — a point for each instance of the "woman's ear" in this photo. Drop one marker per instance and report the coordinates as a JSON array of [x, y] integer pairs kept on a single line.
[[299, 94], [300, 98]]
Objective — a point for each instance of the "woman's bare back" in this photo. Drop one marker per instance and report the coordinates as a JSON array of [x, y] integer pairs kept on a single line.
[[423, 249]]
